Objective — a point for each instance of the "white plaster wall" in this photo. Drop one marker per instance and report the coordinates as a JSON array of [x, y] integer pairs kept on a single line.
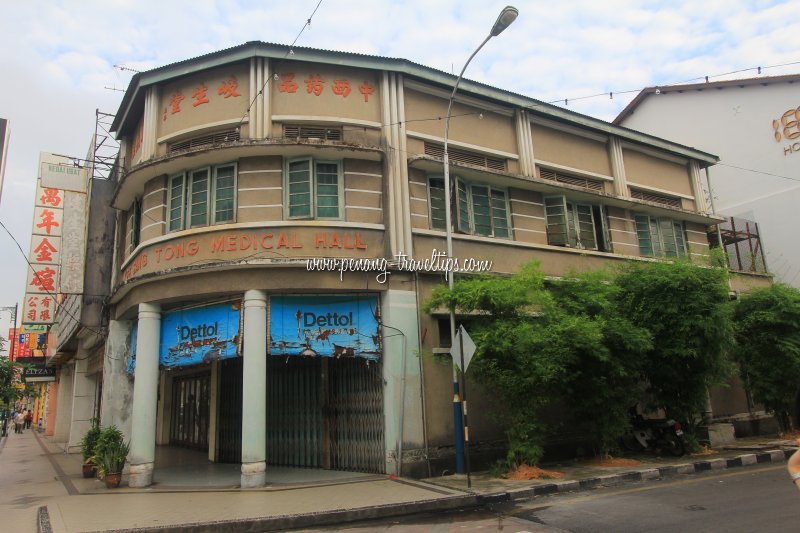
[[399, 310], [117, 385], [735, 123]]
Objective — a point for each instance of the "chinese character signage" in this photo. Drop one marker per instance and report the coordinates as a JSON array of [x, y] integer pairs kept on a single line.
[[73, 239], [44, 256], [325, 326]]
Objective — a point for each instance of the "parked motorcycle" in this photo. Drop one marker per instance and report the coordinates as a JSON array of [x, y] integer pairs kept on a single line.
[[655, 434]]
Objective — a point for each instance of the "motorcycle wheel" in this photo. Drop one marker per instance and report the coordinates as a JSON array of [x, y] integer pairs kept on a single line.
[[674, 444]]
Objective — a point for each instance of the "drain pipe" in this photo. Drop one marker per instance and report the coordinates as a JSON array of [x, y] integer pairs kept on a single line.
[[422, 377]]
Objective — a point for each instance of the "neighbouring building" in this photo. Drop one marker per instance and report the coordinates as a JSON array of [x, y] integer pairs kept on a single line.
[[263, 308], [754, 126]]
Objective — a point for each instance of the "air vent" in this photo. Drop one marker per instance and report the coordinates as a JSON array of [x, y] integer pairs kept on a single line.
[[466, 158], [670, 201], [212, 139], [323, 133], [584, 183]]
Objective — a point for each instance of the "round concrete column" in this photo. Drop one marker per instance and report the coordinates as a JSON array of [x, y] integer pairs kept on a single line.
[[145, 397], [254, 386]]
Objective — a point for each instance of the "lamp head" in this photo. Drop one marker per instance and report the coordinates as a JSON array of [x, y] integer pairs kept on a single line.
[[507, 16]]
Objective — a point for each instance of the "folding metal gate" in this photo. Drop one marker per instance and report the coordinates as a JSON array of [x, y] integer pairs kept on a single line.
[[229, 413], [325, 413], [190, 411]]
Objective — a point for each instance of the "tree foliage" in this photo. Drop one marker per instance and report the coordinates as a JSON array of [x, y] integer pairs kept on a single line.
[[8, 376], [767, 327], [686, 309]]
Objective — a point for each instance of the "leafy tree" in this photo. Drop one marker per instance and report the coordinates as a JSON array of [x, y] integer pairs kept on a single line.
[[767, 325], [603, 377], [536, 345], [687, 311], [8, 378]]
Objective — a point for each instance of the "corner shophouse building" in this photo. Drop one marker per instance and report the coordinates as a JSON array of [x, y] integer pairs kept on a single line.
[[241, 165]]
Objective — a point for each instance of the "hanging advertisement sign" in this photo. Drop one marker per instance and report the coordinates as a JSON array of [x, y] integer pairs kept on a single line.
[[199, 335], [325, 326]]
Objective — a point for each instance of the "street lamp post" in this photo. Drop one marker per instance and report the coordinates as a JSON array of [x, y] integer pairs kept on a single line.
[[507, 16]]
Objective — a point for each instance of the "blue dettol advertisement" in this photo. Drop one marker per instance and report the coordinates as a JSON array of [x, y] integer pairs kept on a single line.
[[325, 326]]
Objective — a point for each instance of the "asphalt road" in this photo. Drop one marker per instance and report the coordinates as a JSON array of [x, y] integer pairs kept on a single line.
[[749, 499]]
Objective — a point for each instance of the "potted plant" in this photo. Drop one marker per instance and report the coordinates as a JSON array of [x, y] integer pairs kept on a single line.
[[113, 460], [88, 444], [108, 436]]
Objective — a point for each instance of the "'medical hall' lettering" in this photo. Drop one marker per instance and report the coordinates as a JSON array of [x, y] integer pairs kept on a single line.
[[203, 330], [331, 319]]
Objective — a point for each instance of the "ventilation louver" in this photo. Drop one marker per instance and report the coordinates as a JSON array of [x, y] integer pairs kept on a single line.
[[211, 139], [465, 157], [584, 183], [670, 201], [324, 133]]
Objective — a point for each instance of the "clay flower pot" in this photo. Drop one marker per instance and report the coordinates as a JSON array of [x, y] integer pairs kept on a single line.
[[89, 470], [112, 480]]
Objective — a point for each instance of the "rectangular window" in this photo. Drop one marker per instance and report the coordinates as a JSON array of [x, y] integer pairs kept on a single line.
[[576, 225], [436, 203], [136, 223], [481, 209], [314, 189], [224, 193], [176, 202], [661, 237], [200, 195], [198, 198]]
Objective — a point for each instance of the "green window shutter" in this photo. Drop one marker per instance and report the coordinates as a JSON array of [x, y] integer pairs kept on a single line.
[[680, 239], [327, 189], [644, 235], [436, 203], [176, 202], [198, 198], [481, 210], [500, 213], [464, 223], [585, 230], [224, 193], [299, 188], [555, 212]]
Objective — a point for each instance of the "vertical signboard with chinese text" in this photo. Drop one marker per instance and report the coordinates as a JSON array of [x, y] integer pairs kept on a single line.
[[44, 256]]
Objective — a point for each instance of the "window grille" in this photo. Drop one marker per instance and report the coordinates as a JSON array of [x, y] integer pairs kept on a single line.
[[466, 158], [584, 183], [212, 139], [295, 131], [670, 201]]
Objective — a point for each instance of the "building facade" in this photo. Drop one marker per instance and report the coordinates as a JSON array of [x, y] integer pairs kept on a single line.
[[754, 126], [265, 304]]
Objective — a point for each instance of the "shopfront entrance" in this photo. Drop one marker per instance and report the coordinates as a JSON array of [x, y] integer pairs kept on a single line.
[[321, 413]]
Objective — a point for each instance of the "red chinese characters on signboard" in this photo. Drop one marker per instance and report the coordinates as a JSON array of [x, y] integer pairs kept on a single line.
[[315, 84], [366, 89], [287, 84], [43, 279], [51, 197], [43, 252], [175, 102], [47, 221], [341, 87], [199, 95], [227, 89]]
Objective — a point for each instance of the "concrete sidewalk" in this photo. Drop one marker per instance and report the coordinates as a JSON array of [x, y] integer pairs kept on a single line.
[[41, 489]]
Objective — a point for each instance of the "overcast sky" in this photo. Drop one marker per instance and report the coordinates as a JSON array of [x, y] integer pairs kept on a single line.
[[58, 60]]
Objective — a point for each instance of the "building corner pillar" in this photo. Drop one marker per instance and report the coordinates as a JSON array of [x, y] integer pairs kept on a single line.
[[254, 384], [145, 397]]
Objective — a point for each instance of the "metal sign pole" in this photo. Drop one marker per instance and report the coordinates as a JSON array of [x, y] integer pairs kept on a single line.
[[464, 404]]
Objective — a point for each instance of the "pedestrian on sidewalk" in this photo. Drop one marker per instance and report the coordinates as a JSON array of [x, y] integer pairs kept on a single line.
[[28, 419], [19, 421]]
